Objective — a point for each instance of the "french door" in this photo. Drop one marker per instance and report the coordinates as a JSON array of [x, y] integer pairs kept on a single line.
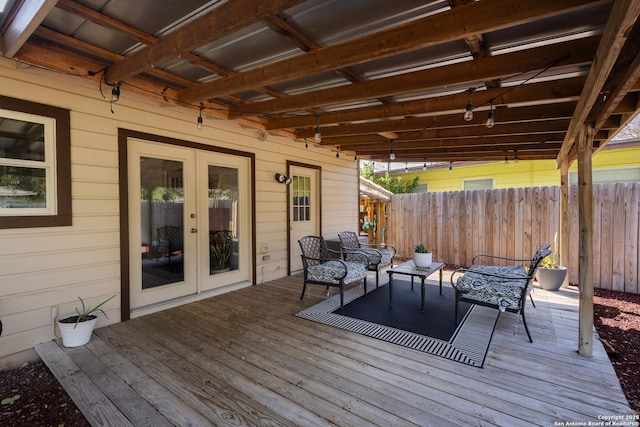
[[189, 222]]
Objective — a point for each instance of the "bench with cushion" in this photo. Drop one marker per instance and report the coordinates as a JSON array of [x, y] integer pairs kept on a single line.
[[503, 287]]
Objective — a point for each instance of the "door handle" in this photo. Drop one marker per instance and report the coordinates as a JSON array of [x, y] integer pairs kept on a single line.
[[194, 230]]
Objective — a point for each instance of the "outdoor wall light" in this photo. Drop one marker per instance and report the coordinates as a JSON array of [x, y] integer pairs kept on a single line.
[[283, 179]]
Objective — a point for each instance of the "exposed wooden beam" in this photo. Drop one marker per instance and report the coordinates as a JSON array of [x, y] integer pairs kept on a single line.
[[502, 115], [496, 141], [622, 18], [23, 24], [551, 91], [221, 21], [571, 53], [463, 21], [585, 241]]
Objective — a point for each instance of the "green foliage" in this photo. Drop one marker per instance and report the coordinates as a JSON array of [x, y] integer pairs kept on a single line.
[[10, 400], [395, 184], [87, 312], [551, 261], [220, 253], [421, 249]]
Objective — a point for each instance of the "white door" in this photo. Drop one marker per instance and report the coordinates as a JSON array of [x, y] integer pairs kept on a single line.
[[304, 209], [189, 222]]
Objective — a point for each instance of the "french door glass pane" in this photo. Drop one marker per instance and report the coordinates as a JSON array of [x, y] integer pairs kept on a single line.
[[224, 218], [162, 219]]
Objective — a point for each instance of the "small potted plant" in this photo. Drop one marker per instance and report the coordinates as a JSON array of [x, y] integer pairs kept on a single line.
[[422, 256], [220, 253], [76, 329], [550, 275]]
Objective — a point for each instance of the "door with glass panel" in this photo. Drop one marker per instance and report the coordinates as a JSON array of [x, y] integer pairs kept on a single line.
[[188, 233], [304, 210]]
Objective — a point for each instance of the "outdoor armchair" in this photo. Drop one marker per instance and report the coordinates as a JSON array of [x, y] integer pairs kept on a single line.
[[378, 255], [503, 287], [321, 269]]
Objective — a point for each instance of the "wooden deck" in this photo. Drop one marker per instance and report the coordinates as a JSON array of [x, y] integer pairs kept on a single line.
[[243, 359]]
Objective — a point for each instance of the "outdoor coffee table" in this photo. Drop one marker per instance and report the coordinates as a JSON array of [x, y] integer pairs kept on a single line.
[[409, 269]]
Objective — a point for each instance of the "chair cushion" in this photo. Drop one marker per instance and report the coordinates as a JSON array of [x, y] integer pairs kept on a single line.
[[499, 291], [508, 297], [510, 271], [332, 271]]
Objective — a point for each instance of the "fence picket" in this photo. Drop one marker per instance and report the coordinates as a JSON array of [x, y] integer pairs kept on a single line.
[[513, 222]]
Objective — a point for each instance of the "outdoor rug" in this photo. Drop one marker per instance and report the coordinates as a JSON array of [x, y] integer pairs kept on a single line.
[[433, 332]]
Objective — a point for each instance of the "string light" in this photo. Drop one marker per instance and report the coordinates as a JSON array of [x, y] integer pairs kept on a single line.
[[515, 156], [338, 152], [318, 136], [506, 159], [306, 144], [450, 167], [406, 167], [200, 118], [392, 155], [468, 112], [115, 93], [424, 166], [490, 121]]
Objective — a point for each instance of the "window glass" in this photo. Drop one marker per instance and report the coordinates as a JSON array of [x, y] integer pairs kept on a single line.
[[477, 184], [35, 177]]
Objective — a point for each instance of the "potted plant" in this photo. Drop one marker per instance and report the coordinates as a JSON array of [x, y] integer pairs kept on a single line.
[[220, 253], [422, 256], [550, 275], [76, 329]]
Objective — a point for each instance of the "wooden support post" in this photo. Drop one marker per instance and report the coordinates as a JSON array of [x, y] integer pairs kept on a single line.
[[564, 219], [585, 249]]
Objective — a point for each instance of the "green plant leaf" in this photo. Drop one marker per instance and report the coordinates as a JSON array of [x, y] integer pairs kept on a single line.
[[10, 400]]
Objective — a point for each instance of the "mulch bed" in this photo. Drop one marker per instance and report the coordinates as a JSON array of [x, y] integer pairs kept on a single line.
[[617, 320], [35, 398]]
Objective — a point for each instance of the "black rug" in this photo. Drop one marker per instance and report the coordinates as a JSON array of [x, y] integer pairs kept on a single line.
[[432, 331]]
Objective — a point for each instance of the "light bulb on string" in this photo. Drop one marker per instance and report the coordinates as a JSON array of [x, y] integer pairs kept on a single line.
[[317, 137], [450, 167], [490, 121], [200, 118], [406, 167], [392, 155], [468, 112]]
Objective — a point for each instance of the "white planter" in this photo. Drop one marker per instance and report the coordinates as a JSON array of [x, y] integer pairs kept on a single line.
[[551, 279], [75, 336], [422, 260]]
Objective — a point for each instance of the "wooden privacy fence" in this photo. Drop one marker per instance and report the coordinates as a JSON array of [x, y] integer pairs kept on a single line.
[[513, 222]]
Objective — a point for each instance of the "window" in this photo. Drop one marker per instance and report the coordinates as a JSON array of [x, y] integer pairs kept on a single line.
[[477, 184], [35, 170], [423, 187], [301, 198], [606, 176]]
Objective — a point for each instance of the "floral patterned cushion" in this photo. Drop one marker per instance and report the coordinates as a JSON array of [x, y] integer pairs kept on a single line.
[[332, 272], [509, 272], [375, 258], [504, 292]]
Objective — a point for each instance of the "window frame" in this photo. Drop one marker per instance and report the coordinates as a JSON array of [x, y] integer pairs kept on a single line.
[[61, 201]]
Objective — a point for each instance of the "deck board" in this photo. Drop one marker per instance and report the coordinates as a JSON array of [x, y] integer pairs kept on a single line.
[[242, 358]]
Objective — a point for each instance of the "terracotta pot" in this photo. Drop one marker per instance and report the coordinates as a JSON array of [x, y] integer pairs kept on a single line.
[[551, 279]]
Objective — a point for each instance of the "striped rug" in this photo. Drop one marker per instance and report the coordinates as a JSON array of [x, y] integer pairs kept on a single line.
[[468, 344]]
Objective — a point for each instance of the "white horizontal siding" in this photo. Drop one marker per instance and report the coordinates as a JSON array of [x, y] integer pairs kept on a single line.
[[43, 271]]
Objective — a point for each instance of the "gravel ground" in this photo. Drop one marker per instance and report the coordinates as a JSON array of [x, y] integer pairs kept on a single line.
[[32, 397]]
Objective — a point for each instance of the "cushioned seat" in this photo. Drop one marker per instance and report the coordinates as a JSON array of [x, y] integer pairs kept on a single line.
[[503, 287], [321, 269], [332, 272], [378, 255]]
